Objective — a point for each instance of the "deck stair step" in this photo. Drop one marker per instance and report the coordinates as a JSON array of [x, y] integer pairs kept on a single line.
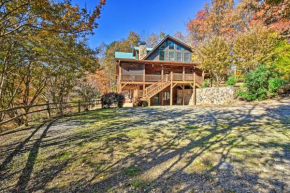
[[154, 89]]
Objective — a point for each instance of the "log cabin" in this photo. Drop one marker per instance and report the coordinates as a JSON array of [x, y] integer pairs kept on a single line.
[[163, 75]]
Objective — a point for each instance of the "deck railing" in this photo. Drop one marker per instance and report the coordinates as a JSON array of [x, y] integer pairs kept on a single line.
[[152, 78], [132, 77], [199, 79], [156, 78], [188, 77], [178, 76]]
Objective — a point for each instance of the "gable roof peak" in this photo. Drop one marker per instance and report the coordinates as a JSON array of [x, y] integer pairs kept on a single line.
[[164, 39]]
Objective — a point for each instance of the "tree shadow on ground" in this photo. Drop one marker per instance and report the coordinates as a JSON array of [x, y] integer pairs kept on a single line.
[[164, 165]]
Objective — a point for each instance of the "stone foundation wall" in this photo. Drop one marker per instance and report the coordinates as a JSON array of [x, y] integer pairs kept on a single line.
[[211, 95], [215, 95]]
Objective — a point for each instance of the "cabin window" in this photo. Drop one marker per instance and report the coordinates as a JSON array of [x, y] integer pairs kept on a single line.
[[171, 45], [186, 57], [179, 56], [162, 55], [163, 46], [179, 47], [166, 96], [171, 56]]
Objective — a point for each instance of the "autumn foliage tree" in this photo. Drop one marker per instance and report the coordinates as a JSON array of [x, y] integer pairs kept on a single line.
[[275, 14], [42, 45], [254, 47], [214, 20], [214, 57]]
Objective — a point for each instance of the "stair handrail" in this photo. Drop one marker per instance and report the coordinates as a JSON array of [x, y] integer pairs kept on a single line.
[[157, 89], [148, 89]]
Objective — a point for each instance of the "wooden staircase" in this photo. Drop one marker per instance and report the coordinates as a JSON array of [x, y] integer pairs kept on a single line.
[[154, 89]]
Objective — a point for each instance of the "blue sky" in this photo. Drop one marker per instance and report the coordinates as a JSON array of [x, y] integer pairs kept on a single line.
[[119, 17]]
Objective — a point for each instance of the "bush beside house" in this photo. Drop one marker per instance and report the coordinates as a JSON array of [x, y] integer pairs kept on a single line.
[[109, 99], [261, 83]]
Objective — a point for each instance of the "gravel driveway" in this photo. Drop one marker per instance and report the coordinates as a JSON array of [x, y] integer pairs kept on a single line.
[[242, 148]]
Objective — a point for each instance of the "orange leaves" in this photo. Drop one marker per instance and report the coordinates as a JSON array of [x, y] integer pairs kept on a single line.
[[100, 81], [275, 14], [215, 19]]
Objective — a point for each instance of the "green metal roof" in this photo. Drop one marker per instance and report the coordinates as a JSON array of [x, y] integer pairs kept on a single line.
[[124, 55], [148, 49]]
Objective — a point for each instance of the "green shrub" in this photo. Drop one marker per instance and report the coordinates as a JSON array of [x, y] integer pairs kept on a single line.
[[206, 83], [261, 83], [109, 99], [274, 85], [231, 81]]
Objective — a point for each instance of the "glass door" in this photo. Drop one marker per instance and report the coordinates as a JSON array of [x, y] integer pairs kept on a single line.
[[156, 100]]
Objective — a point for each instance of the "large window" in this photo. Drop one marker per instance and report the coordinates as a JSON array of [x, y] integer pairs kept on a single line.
[[186, 57], [179, 56], [171, 45], [163, 46], [162, 55], [166, 96], [171, 56], [178, 47]]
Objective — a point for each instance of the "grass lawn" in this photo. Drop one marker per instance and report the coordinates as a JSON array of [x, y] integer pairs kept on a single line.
[[158, 149]]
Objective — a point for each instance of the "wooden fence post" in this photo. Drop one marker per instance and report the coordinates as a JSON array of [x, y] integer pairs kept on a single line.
[[79, 106], [48, 110]]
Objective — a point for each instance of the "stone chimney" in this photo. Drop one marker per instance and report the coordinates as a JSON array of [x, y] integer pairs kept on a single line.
[[142, 50]]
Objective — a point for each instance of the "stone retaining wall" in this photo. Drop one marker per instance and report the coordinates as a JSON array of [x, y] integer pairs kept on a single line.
[[215, 95]]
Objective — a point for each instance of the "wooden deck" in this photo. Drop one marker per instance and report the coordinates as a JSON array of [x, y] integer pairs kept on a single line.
[[146, 79]]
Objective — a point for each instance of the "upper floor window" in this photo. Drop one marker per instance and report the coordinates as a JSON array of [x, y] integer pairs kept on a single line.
[[162, 55], [186, 57], [179, 56], [171, 45], [178, 47], [163, 46], [171, 56]]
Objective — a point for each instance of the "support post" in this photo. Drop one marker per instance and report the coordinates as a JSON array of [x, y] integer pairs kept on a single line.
[[120, 78], [183, 95], [171, 88], [149, 102], [194, 94], [144, 79], [79, 106], [203, 75], [162, 73], [183, 73], [194, 87]]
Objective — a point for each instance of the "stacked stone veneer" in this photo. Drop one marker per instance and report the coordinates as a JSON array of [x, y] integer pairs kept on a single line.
[[211, 95], [142, 51], [215, 95]]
